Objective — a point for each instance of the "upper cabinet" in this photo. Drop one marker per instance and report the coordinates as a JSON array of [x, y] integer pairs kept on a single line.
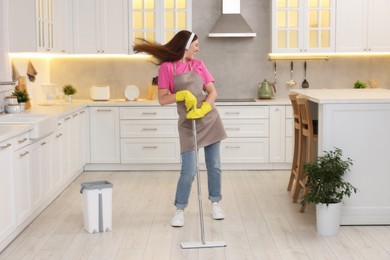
[[100, 26], [303, 26], [362, 26], [41, 25], [158, 21]]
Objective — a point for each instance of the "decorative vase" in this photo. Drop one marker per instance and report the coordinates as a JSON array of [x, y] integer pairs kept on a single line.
[[68, 98], [328, 218], [22, 106]]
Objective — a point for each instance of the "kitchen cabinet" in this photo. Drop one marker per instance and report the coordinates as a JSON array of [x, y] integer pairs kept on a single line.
[[104, 135], [158, 20], [100, 26], [40, 26], [289, 134], [277, 134], [7, 207], [303, 26], [149, 136], [247, 143], [362, 26]]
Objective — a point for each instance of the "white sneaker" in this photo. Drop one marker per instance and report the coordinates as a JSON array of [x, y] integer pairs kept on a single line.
[[216, 211], [178, 219]]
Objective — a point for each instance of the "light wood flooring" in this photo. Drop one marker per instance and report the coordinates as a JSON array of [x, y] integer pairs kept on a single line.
[[261, 223]]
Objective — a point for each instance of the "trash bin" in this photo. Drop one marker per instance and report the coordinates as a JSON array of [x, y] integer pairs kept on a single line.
[[97, 206]]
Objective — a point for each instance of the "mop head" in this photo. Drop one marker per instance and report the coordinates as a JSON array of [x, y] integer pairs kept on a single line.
[[209, 244]]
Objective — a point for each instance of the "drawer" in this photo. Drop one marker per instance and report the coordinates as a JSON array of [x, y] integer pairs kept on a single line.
[[247, 128], [135, 150], [243, 112], [149, 128], [242, 150], [148, 113], [22, 140]]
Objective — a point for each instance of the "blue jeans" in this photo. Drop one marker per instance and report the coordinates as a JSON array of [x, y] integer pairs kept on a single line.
[[188, 173]]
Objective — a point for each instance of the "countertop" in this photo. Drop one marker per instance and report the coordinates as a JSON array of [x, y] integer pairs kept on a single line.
[[62, 109], [346, 96]]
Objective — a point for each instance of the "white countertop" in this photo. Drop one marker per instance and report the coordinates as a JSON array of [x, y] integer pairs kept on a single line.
[[62, 109], [345, 96]]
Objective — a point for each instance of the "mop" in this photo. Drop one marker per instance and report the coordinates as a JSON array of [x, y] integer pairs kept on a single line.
[[203, 243]]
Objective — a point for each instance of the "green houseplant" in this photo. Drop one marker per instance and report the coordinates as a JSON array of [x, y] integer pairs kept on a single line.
[[359, 84], [69, 90], [327, 188], [23, 97]]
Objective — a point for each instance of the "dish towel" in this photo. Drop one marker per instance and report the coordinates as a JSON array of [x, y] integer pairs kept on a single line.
[[15, 73], [31, 71]]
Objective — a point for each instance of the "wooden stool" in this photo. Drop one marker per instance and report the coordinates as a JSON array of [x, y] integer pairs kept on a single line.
[[307, 143], [297, 143]]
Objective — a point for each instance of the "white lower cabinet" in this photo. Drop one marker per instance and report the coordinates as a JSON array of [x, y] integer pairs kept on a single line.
[[7, 215], [149, 136], [104, 135]]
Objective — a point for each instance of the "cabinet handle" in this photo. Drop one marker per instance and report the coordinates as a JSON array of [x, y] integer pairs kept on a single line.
[[67, 118], [149, 129], [149, 113], [75, 115], [5, 146], [233, 129], [232, 147], [22, 140], [232, 113], [59, 135], [24, 154], [149, 147], [43, 143], [104, 110], [82, 112]]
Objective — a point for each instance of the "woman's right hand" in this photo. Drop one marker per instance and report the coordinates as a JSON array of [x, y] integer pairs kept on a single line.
[[188, 98]]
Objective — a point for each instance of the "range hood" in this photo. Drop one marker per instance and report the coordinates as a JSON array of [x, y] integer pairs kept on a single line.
[[231, 23]]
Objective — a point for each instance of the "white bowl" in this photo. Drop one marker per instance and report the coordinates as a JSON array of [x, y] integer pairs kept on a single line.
[[131, 92], [12, 108]]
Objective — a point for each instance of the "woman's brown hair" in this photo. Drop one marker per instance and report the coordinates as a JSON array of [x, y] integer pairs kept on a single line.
[[171, 51]]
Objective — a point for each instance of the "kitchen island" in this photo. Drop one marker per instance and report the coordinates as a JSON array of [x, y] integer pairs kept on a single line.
[[358, 122]]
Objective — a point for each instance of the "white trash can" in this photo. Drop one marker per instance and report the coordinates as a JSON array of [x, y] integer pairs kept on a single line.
[[97, 206]]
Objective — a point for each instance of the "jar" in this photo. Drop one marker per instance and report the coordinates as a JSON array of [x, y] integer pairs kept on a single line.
[[11, 100], [12, 108]]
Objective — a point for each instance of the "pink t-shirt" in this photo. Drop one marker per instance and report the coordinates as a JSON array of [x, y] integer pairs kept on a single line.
[[166, 73]]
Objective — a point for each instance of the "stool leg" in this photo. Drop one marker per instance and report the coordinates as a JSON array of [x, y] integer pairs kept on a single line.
[[301, 161], [310, 151], [294, 167]]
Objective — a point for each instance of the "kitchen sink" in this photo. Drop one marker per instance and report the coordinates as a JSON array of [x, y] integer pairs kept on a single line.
[[43, 124]]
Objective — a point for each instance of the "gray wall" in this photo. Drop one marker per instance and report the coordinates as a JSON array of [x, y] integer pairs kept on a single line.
[[238, 64]]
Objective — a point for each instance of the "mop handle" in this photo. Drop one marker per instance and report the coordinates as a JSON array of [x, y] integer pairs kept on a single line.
[[198, 184]]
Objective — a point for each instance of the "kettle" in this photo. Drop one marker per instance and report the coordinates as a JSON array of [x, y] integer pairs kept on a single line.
[[265, 90]]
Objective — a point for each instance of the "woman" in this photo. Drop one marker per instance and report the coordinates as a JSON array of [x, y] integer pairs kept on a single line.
[[187, 81]]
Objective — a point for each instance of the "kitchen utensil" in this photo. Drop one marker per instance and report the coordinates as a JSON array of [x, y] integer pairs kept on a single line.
[[203, 243], [291, 82], [131, 92], [265, 90], [274, 82], [152, 90], [305, 84]]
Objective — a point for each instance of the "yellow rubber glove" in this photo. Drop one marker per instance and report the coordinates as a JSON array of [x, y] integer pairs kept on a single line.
[[188, 98], [199, 112]]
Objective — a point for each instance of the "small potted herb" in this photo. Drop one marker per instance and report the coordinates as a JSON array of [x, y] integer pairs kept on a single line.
[[359, 84], [69, 90], [22, 97]]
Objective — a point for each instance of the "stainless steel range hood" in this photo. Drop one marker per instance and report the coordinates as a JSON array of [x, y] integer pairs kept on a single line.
[[231, 23]]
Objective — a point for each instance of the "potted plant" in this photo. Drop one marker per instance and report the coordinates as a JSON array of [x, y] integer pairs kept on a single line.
[[22, 97], [69, 90], [327, 188], [359, 84]]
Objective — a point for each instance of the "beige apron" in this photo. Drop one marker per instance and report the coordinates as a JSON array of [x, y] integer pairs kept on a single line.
[[209, 129]]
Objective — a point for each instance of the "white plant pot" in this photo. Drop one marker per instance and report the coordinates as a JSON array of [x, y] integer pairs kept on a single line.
[[328, 218]]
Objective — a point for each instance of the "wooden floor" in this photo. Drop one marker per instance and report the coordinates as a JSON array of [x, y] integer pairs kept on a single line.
[[261, 223]]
